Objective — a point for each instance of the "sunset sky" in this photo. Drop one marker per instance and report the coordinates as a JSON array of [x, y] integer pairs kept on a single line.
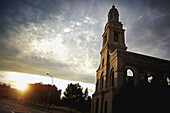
[[64, 37]]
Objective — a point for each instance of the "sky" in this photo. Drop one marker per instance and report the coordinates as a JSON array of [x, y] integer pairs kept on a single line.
[[64, 37]]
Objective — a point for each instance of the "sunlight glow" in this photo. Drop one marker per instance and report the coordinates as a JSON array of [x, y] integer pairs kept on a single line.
[[21, 86], [20, 81]]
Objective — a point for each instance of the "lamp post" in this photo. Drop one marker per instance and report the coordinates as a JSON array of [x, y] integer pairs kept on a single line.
[[51, 77], [49, 95]]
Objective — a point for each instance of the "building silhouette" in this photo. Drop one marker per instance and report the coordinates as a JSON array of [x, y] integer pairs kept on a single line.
[[124, 71]]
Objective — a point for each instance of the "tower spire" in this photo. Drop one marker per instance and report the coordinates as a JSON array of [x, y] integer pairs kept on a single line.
[[113, 36], [113, 6]]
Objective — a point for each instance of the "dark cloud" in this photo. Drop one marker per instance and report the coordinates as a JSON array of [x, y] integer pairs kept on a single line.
[[21, 12], [80, 25]]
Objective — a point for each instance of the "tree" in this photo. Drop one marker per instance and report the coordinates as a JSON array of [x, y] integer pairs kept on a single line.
[[75, 98], [72, 95], [87, 101], [86, 94]]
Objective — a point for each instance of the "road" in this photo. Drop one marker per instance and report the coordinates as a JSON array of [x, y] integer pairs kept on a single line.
[[8, 106]]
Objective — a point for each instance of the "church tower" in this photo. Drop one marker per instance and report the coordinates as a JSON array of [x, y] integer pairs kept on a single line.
[[113, 40], [108, 80], [113, 36], [120, 68]]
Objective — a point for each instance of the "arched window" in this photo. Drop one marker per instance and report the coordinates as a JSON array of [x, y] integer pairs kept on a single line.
[[115, 37], [112, 77], [168, 80], [129, 76], [111, 82], [149, 78], [106, 82], [103, 62], [101, 81], [111, 17], [129, 73], [114, 16], [104, 39], [97, 84], [105, 107]]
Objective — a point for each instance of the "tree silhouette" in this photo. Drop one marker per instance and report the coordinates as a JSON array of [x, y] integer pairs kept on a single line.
[[86, 94], [73, 95], [75, 98]]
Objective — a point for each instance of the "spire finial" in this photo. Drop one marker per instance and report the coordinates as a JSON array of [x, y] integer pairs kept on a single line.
[[113, 6]]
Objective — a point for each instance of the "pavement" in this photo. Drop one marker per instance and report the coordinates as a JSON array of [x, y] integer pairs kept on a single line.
[[9, 106]]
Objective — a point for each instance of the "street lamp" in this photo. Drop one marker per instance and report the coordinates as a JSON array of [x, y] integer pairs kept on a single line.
[[51, 77], [49, 95]]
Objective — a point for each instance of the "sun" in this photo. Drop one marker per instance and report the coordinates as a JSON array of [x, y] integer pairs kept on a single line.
[[21, 86]]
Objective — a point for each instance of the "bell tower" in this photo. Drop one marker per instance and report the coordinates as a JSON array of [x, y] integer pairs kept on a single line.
[[109, 77], [113, 35]]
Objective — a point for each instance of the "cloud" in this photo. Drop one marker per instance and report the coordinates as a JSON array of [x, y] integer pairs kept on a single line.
[[147, 27], [58, 44], [65, 38]]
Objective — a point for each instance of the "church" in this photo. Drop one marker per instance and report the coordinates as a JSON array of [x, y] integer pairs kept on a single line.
[[119, 67]]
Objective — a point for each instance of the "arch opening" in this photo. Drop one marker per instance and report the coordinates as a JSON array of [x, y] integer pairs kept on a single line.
[[111, 17], [97, 105], [130, 76], [101, 81], [149, 78], [112, 77], [103, 62], [97, 84], [115, 37], [168, 80], [105, 39], [129, 73], [114, 16], [105, 107]]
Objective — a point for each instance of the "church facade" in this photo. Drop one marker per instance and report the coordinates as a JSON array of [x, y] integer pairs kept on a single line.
[[119, 66]]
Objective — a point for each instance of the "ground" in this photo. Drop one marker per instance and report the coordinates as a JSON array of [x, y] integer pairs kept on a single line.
[[9, 106]]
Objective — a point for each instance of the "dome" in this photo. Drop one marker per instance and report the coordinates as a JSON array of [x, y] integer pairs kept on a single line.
[[113, 10], [113, 14]]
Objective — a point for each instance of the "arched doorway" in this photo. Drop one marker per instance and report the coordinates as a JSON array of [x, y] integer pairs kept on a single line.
[[97, 105], [105, 107]]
